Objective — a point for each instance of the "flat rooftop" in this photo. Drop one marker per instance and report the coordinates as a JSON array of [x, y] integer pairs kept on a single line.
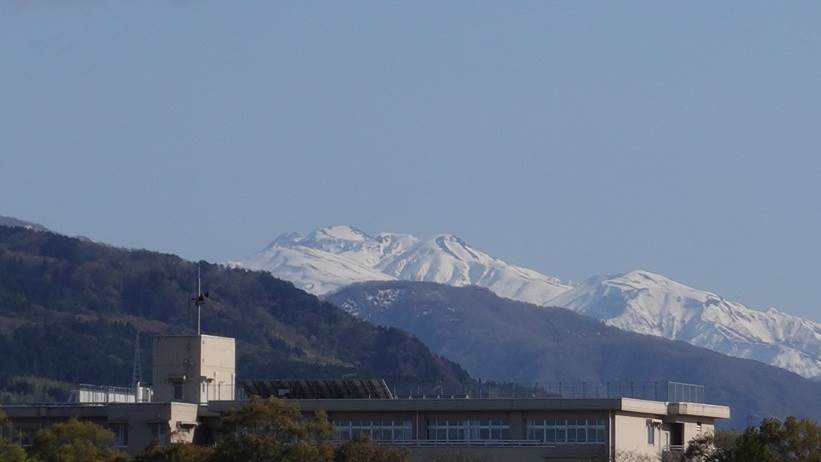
[[498, 405]]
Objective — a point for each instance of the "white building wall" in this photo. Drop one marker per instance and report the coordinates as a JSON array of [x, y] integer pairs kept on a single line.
[[630, 436], [205, 365]]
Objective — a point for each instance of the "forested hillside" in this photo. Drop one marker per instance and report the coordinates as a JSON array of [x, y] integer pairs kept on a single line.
[[70, 310], [494, 337]]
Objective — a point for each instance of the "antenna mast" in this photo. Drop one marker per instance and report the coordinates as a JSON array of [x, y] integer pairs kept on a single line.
[[199, 300]]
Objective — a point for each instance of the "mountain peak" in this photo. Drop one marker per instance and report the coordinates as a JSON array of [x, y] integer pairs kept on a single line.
[[645, 277], [340, 255], [340, 232]]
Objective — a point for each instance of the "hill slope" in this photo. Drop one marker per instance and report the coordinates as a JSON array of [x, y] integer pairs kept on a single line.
[[14, 222], [498, 338], [69, 309]]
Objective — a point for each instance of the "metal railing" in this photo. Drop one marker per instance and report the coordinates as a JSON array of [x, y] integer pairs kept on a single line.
[[101, 394], [655, 391], [685, 392]]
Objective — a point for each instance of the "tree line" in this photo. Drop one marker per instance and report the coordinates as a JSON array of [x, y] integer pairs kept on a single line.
[[265, 430]]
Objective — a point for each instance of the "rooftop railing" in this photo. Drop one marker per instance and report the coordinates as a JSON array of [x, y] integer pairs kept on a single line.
[[655, 391]]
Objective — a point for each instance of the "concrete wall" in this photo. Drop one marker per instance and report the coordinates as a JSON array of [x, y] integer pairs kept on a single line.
[[176, 422], [205, 365], [630, 436], [175, 359], [172, 422], [218, 365], [691, 428], [160, 423]]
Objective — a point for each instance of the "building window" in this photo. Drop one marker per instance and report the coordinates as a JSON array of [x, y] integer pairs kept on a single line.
[[651, 434], [159, 432], [27, 437], [377, 430], [177, 391], [468, 430], [562, 430], [120, 431]]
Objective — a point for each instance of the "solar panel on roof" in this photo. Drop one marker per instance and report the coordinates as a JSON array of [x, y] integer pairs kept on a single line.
[[319, 389]]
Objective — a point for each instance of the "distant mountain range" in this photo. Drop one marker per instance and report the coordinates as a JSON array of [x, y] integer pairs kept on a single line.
[[498, 338], [327, 259]]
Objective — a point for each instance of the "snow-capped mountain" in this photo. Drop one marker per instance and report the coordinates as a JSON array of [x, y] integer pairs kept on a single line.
[[327, 259], [330, 258], [652, 304]]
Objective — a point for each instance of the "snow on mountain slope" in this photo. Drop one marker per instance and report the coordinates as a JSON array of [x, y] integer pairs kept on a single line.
[[316, 271], [446, 259], [329, 258], [652, 304]]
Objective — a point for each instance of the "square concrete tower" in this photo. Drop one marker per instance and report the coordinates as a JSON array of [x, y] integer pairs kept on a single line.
[[194, 368]]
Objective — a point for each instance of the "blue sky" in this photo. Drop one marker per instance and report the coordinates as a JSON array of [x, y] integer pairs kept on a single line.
[[576, 138]]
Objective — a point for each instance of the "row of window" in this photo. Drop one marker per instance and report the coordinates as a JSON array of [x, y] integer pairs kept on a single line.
[[545, 430], [567, 430], [377, 430], [468, 430]]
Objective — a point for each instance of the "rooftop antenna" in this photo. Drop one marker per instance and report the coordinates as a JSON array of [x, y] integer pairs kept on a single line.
[[199, 300]]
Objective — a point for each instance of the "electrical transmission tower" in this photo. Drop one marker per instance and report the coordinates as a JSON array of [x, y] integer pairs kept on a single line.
[[137, 374]]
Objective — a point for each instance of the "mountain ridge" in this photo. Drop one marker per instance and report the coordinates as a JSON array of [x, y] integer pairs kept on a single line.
[[444, 258], [649, 303], [494, 337], [326, 259]]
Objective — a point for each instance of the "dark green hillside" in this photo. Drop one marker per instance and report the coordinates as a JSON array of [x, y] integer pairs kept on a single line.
[[69, 310]]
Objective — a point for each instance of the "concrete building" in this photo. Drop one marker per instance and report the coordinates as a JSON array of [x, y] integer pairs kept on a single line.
[[193, 368], [195, 385]]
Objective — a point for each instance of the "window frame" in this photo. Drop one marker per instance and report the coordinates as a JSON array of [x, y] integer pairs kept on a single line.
[[561, 430]]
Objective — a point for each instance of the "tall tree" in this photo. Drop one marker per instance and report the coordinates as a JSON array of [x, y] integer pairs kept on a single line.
[[274, 430], [793, 440], [9, 450], [76, 441]]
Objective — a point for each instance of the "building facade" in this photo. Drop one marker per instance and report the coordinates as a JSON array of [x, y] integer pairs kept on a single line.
[[195, 386]]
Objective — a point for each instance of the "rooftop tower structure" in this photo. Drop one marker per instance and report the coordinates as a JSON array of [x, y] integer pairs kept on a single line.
[[194, 368]]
